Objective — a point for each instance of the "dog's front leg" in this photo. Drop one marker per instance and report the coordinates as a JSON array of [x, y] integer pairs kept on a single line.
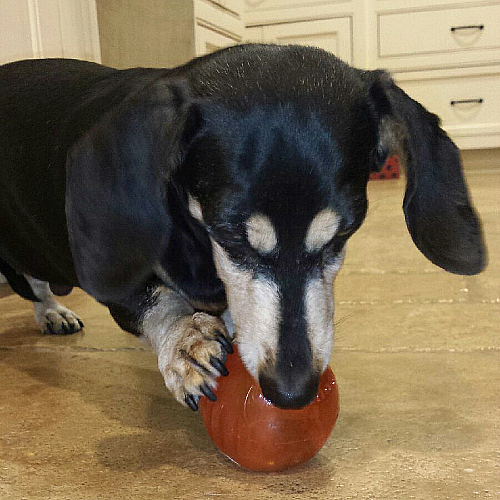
[[191, 345]]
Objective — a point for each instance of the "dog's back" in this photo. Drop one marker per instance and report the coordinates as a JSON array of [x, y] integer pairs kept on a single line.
[[45, 105]]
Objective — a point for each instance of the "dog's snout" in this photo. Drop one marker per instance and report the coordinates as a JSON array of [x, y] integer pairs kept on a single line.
[[293, 391]]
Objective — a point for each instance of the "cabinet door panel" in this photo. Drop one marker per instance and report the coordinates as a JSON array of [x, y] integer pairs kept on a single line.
[[333, 35]]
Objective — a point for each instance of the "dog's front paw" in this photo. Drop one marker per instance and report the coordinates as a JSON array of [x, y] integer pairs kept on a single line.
[[191, 363]]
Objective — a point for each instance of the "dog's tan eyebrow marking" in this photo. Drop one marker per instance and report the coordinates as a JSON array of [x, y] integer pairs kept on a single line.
[[195, 208], [322, 229], [261, 233]]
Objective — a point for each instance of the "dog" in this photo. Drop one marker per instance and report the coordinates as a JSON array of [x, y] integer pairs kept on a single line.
[[232, 183]]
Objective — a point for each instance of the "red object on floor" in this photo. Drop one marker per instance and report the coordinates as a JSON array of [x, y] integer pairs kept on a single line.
[[390, 170], [256, 435]]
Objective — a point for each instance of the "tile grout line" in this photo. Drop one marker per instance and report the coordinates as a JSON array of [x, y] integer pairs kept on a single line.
[[72, 349], [375, 271], [417, 301], [417, 350]]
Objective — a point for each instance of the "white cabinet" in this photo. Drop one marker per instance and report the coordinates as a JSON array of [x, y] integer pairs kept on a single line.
[[447, 56], [333, 35], [48, 28], [324, 24], [438, 37], [208, 40], [218, 24], [469, 105], [444, 54]]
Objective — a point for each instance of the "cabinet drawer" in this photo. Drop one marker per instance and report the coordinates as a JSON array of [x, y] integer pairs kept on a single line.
[[439, 31], [218, 24], [466, 105], [448, 36], [214, 16], [235, 6]]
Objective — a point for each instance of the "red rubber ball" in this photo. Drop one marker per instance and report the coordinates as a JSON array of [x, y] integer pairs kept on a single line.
[[252, 432]]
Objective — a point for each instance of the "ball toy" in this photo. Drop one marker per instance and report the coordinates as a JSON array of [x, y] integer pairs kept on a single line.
[[258, 436]]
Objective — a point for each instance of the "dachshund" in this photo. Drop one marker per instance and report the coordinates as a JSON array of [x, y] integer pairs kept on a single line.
[[221, 190]]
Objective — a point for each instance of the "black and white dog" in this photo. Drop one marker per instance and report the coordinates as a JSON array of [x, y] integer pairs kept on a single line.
[[232, 182]]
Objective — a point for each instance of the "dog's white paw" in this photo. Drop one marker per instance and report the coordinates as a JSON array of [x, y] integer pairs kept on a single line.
[[56, 319], [191, 364]]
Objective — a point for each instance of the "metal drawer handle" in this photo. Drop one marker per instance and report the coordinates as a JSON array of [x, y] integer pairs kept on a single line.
[[470, 27], [467, 101]]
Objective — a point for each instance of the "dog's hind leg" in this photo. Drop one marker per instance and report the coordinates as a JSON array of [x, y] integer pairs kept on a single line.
[[51, 316]]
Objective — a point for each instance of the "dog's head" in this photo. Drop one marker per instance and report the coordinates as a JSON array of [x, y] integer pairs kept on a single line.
[[274, 150], [278, 208]]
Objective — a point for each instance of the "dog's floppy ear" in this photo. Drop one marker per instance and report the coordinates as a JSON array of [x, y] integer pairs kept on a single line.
[[116, 178], [438, 211]]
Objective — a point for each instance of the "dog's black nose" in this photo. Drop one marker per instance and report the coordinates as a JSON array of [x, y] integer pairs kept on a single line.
[[291, 392]]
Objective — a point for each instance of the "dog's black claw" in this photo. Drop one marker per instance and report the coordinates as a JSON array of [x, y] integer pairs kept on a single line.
[[224, 343], [219, 366], [207, 391], [191, 402], [80, 322], [67, 328], [49, 329]]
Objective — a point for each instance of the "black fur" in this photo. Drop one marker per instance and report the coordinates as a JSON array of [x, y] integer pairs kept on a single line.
[[97, 165], [17, 282]]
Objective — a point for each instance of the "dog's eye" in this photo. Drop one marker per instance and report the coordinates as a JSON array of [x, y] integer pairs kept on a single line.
[[347, 229], [225, 238], [342, 235], [228, 242], [337, 241], [335, 245]]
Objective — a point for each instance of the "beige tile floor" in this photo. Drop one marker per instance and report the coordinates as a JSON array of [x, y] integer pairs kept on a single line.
[[417, 358]]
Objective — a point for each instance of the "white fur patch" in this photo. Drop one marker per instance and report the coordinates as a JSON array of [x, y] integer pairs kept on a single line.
[[261, 233], [255, 308], [195, 208], [180, 335], [319, 312], [322, 229], [158, 321], [49, 313]]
